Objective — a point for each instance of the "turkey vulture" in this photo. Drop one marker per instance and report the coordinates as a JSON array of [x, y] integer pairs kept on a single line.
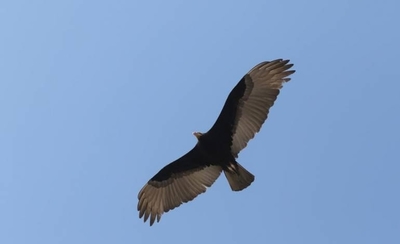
[[242, 116]]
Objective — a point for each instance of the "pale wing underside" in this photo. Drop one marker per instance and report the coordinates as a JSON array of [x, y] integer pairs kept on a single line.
[[157, 197], [262, 88]]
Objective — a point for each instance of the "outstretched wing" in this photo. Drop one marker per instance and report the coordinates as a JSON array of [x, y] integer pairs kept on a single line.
[[248, 104], [178, 182]]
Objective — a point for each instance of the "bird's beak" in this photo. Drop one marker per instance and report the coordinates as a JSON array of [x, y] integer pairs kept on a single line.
[[197, 135]]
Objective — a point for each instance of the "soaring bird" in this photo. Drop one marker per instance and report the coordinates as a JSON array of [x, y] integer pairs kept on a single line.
[[242, 116]]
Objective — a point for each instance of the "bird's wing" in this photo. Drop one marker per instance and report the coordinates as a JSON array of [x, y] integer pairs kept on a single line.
[[178, 182], [248, 104]]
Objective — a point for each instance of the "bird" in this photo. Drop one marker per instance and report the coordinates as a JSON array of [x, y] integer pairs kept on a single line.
[[242, 116]]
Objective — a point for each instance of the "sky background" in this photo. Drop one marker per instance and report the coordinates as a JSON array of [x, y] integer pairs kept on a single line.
[[97, 96]]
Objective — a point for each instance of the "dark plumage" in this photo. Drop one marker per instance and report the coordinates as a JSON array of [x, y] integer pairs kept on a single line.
[[242, 116]]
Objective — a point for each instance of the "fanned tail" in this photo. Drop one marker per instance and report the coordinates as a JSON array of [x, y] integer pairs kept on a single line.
[[239, 178]]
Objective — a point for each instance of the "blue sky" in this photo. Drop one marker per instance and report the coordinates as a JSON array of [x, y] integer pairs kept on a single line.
[[97, 96]]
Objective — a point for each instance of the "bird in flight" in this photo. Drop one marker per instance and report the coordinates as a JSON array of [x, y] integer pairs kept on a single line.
[[242, 116]]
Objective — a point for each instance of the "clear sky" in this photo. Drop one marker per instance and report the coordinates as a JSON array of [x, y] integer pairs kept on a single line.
[[97, 96]]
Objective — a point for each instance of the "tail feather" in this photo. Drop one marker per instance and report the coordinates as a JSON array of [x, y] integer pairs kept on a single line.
[[239, 178]]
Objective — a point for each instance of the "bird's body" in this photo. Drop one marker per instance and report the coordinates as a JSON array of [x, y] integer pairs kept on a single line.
[[242, 116]]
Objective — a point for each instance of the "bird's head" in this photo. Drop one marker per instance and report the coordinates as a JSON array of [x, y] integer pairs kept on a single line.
[[197, 135]]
